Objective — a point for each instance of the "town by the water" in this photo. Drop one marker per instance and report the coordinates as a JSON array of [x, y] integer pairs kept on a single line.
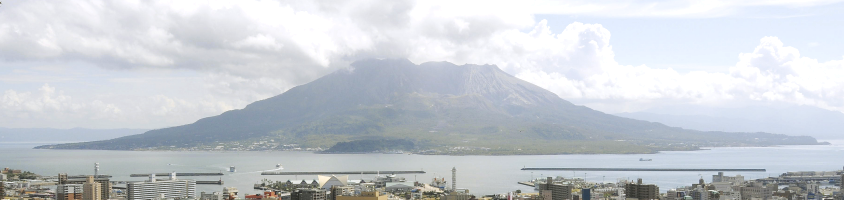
[[19, 184]]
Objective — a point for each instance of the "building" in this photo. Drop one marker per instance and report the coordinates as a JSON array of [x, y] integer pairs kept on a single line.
[[641, 191], [162, 189], [2, 190], [368, 195], [557, 191], [755, 191], [230, 193], [457, 196], [586, 194], [326, 182], [737, 180], [91, 190], [3, 177], [308, 194], [104, 184], [69, 192], [268, 195], [211, 196]]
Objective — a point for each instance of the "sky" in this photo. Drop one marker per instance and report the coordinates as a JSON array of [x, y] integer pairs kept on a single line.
[[155, 64]]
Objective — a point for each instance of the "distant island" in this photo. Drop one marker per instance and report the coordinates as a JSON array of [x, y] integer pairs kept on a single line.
[[432, 108]]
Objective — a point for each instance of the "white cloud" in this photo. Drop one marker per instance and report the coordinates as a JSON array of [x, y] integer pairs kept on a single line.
[[250, 50]]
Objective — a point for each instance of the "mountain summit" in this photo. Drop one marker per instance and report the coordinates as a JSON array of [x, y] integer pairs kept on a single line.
[[441, 106]]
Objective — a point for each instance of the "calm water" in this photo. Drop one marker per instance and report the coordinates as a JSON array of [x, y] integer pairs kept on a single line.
[[480, 174]]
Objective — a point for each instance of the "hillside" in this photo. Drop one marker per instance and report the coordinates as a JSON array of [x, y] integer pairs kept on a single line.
[[477, 108]]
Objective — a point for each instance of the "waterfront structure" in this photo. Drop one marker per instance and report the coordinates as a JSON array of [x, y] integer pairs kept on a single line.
[[162, 189], [91, 189], [229, 193], [69, 192], [641, 191], [556, 191], [308, 194], [303, 183], [326, 182]]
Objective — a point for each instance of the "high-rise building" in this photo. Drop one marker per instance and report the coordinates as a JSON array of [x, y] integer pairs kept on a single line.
[[164, 189], [558, 191], [91, 190], [641, 191], [2, 190], [69, 192]]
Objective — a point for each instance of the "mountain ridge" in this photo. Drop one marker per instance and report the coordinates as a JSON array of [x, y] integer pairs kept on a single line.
[[436, 104]]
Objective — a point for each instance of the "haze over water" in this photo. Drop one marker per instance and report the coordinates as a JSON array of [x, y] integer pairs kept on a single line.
[[481, 174]]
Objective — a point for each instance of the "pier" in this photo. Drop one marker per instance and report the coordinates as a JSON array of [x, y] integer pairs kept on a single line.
[[527, 184], [179, 174], [642, 169], [346, 172], [220, 182]]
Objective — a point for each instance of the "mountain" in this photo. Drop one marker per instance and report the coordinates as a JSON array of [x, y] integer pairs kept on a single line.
[[784, 119], [474, 109], [51, 135]]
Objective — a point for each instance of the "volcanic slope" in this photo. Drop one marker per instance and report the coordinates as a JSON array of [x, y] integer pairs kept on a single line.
[[477, 109]]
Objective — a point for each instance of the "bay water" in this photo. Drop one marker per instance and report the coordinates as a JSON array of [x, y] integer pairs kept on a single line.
[[480, 174]]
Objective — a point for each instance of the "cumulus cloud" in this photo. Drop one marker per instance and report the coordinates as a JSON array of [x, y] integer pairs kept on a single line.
[[250, 50]]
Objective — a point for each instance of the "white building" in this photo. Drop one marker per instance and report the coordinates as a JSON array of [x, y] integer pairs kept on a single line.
[[162, 189]]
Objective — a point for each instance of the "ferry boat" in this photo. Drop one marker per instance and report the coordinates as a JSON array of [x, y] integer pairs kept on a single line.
[[232, 169]]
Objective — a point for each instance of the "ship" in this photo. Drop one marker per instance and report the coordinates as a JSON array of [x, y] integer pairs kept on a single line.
[[232, 169], [644, 159], [278, 166]]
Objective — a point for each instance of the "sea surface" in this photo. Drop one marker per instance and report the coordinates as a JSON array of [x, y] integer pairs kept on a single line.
[[480, 174]]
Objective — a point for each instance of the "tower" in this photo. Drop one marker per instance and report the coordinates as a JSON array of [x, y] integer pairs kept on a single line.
[[96, 169], [454, 178]]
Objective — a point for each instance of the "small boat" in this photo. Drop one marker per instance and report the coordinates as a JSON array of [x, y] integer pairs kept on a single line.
[[232, 169], [643, 159], [278, 166]]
